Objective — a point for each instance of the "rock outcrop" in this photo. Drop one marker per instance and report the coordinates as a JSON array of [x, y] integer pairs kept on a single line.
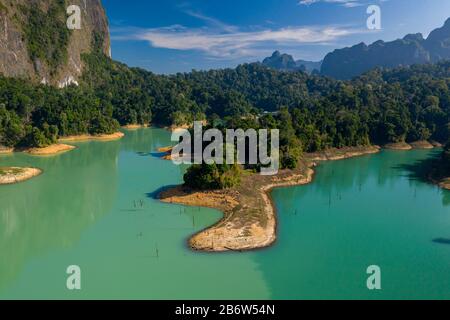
[[350, 62], [50, 54], [286, 62]]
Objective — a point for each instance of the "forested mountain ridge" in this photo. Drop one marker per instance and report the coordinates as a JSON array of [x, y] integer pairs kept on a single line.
[[382, 106], [312, 112], [347, 63], [36, 44]]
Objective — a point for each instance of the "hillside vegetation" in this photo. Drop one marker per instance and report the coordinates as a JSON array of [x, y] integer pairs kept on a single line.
[[403, 104]]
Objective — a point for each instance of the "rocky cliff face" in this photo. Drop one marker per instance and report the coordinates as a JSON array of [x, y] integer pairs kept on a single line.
[[280, 61], [286, 62], [35, 42], [438, 42]]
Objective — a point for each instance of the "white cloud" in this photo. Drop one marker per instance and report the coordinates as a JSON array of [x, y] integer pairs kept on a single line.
[[219, 40], [345, 3], [233, 44]]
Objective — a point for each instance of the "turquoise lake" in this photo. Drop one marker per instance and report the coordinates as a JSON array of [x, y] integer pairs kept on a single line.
[[94, 207]]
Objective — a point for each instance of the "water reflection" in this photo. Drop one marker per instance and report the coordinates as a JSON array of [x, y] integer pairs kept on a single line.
[[442, 241], [356, 213], [51, 211], [136, 249]]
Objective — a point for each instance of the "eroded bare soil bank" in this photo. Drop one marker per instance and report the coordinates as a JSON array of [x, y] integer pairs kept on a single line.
[[249, 220]]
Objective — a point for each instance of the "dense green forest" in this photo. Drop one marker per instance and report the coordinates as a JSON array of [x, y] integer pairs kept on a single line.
[[36, 115], [404, 104], [313, 112]]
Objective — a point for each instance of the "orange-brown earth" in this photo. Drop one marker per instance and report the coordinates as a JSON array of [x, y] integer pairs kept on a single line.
[[249, 220]]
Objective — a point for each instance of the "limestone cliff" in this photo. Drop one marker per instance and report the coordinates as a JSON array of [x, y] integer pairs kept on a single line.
[[350, 62], [36, 44]]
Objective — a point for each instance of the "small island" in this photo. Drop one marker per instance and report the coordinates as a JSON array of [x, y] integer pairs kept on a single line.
[[12, 175]]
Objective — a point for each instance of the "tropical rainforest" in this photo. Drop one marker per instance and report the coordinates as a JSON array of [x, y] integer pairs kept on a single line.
[[312, 112]]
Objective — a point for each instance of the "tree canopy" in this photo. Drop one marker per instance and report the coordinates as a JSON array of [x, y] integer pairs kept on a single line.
[[312, 112]]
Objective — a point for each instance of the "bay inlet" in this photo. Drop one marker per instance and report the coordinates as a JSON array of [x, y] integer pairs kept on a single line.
[[93, 207]]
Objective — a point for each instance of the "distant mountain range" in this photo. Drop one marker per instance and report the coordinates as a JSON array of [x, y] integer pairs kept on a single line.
[[286, 62], [350, 62]]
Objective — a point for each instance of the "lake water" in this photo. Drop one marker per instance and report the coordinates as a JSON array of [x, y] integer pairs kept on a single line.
[[95, 208]]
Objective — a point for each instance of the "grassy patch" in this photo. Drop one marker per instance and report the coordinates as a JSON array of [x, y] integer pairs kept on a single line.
[[7, 170]]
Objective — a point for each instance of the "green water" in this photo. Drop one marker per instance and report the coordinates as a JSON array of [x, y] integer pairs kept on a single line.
[[94, 208]]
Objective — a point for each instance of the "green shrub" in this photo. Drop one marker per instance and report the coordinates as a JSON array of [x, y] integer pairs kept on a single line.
[[211, 177]]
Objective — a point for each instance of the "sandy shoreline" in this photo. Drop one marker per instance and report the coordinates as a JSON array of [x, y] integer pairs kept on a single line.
[[87, 137], [61, 147], [341, 154], [135, 126], [6, 150], [11, 175], [249, 220], [175, 128], [401, 146], [244, 226], [422, 145], [53, 149], [178, 128], [16, 174]]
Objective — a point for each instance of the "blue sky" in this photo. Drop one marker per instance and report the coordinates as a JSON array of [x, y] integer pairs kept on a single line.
[[168, 36]]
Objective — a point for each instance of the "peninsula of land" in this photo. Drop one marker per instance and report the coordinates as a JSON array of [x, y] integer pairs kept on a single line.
[[249, 220], [51, 150], [88, 137], [61, 147]]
